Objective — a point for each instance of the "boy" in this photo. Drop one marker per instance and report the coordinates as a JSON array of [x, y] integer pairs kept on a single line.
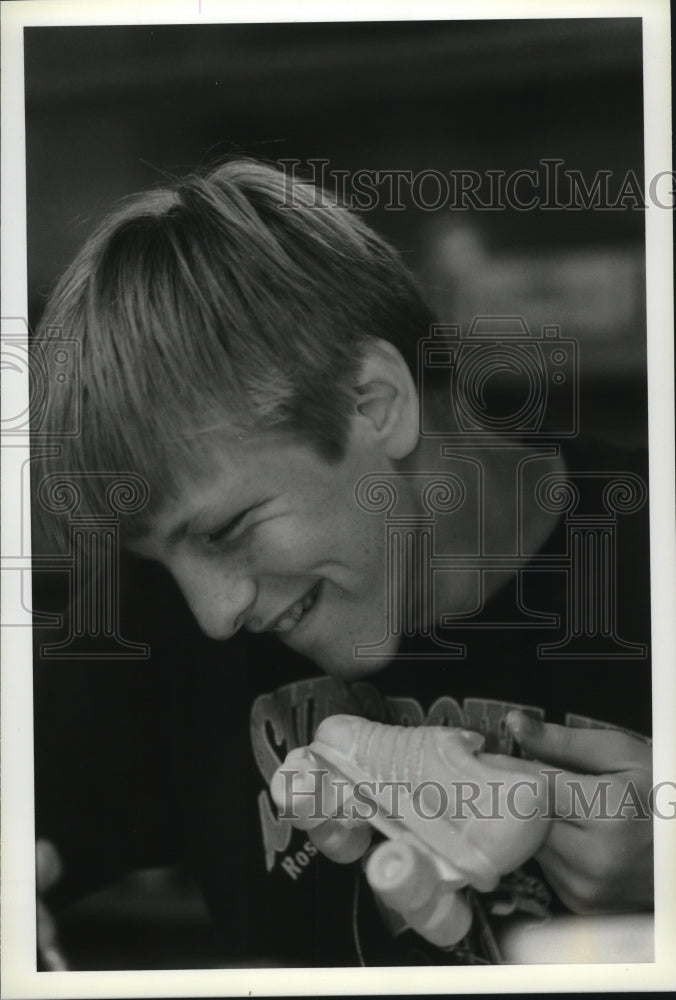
[[251, 353]]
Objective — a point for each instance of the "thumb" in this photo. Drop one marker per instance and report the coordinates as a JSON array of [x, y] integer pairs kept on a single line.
[[591, 751]]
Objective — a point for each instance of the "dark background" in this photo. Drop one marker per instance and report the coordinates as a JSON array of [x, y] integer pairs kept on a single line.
[[111, 110]]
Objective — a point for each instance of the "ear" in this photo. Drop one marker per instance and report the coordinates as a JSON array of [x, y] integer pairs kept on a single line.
[[387, 400]]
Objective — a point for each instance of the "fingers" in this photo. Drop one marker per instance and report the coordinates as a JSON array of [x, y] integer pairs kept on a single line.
[[341, 841], [599, 864], [586, 877], [407, 881], [48, 871], [48, 946], [590, 751], [48, 866], [569, 883]]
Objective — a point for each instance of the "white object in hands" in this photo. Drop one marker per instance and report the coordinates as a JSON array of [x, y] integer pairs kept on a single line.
[[461, 817]]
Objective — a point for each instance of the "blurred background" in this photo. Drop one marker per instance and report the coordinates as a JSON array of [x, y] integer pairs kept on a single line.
[[112, 110]]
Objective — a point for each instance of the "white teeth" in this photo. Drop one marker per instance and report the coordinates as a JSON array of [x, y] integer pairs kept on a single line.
[[285, 624], [296, 612]]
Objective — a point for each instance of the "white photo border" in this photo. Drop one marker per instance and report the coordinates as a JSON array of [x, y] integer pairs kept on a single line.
[[18, 880]]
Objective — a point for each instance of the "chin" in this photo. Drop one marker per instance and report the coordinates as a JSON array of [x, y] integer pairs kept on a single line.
[[344, 663]]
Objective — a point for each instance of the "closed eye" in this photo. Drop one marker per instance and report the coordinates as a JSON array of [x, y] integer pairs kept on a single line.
[[224, 532]]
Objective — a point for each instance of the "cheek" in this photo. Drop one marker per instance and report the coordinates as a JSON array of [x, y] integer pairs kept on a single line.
[[350, 538], [284, 548], [322, 534]]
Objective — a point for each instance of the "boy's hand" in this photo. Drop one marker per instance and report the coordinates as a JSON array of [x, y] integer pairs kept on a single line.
[[595, 864], [48, 871]]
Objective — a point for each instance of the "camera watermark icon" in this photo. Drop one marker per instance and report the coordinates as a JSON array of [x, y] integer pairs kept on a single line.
[[51, 367], [29, 376], [498, 378], [498, 399], [37, 375]]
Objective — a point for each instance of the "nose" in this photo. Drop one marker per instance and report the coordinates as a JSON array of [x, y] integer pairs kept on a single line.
[[219, 600]]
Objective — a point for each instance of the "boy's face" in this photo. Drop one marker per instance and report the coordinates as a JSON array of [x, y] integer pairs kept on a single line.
[[270, 538]]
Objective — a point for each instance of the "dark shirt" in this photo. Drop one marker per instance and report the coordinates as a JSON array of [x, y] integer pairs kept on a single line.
[[167, 760]]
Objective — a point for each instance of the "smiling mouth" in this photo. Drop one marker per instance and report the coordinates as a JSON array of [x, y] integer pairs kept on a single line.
[[290, 618]]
